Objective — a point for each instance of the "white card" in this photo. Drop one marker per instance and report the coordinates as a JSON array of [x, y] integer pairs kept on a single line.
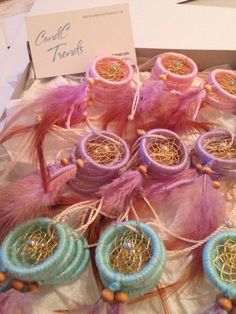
[[66, 42]]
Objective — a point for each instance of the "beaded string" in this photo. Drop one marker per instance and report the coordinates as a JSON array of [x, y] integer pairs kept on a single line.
[[131, 252], [225, 261], [227, 82]]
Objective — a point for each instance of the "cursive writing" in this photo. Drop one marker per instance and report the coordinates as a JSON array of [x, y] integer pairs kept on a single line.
[[61, 33], [59, 52]]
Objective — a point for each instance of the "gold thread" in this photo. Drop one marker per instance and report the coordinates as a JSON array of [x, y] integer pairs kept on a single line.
[[112, 70], [104, 151], [227, 82], [177, 66], [35, 245], [131, 252], [225, 261], [166, 151], [221, 147]]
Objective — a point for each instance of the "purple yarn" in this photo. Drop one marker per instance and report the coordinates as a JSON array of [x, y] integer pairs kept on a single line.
[[175, 81], [158, 170], [93, 175], [218, 97], [211, 309], [221, 167]]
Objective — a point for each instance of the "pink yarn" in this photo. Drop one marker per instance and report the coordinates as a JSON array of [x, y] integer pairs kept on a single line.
[[219, 97], [175, 81]]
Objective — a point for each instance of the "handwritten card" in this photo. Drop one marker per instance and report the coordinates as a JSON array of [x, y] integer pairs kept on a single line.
[[66, 42]]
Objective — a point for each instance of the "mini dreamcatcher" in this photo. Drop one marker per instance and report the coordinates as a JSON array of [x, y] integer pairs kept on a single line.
[[130, 258], [217, 151], [39, 253], [172, 97], [102, 155], [221, 90], [219, 260]]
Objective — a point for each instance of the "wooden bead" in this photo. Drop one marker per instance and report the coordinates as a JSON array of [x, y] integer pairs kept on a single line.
[[80, 163], [90, 81], [140, 132], [234, 302], [91, 97], [163, 77], [121, 297], [39, 117], [143, 169], [199, 167], [17, 284], [3, 277], [33, 287], [65, 161], [233, 311], [204, 104], [225, 303], [208, 88], [216, 184], [88, 90], [207, 170], [108, 295], [90, 103]]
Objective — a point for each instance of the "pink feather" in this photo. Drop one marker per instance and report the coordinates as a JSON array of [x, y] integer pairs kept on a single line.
[[99, 307], [201, 210], [25, 198], [211, 309], [170, 109], [117, 193], [13, 302]]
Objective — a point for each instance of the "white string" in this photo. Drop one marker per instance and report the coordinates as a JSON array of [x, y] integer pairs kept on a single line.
[[137, 92]]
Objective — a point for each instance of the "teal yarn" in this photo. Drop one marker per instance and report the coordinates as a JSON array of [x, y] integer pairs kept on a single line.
[[228, 289], [4, 286], [66, 263], [136, 284]]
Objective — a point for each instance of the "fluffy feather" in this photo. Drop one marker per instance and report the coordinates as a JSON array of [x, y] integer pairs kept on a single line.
[[171, 109], [99, 308], [117, 193], [64, 106], [200, 203], [13, 302], [201, 209], [211, 309], [25, 197]]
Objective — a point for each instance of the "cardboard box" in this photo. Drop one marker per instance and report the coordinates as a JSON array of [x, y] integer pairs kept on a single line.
[[204, 33]]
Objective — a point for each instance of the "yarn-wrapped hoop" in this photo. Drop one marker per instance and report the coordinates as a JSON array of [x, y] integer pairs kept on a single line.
[[219, 261], [217, 149], [221, 90], [33, 254], [125, 277], [109, 78], [103, 154], [177, 70], [110, 71], [164, 153]]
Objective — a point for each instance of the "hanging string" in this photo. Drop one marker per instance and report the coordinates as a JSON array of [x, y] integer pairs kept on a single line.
[[197, 243], [137, 92]]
